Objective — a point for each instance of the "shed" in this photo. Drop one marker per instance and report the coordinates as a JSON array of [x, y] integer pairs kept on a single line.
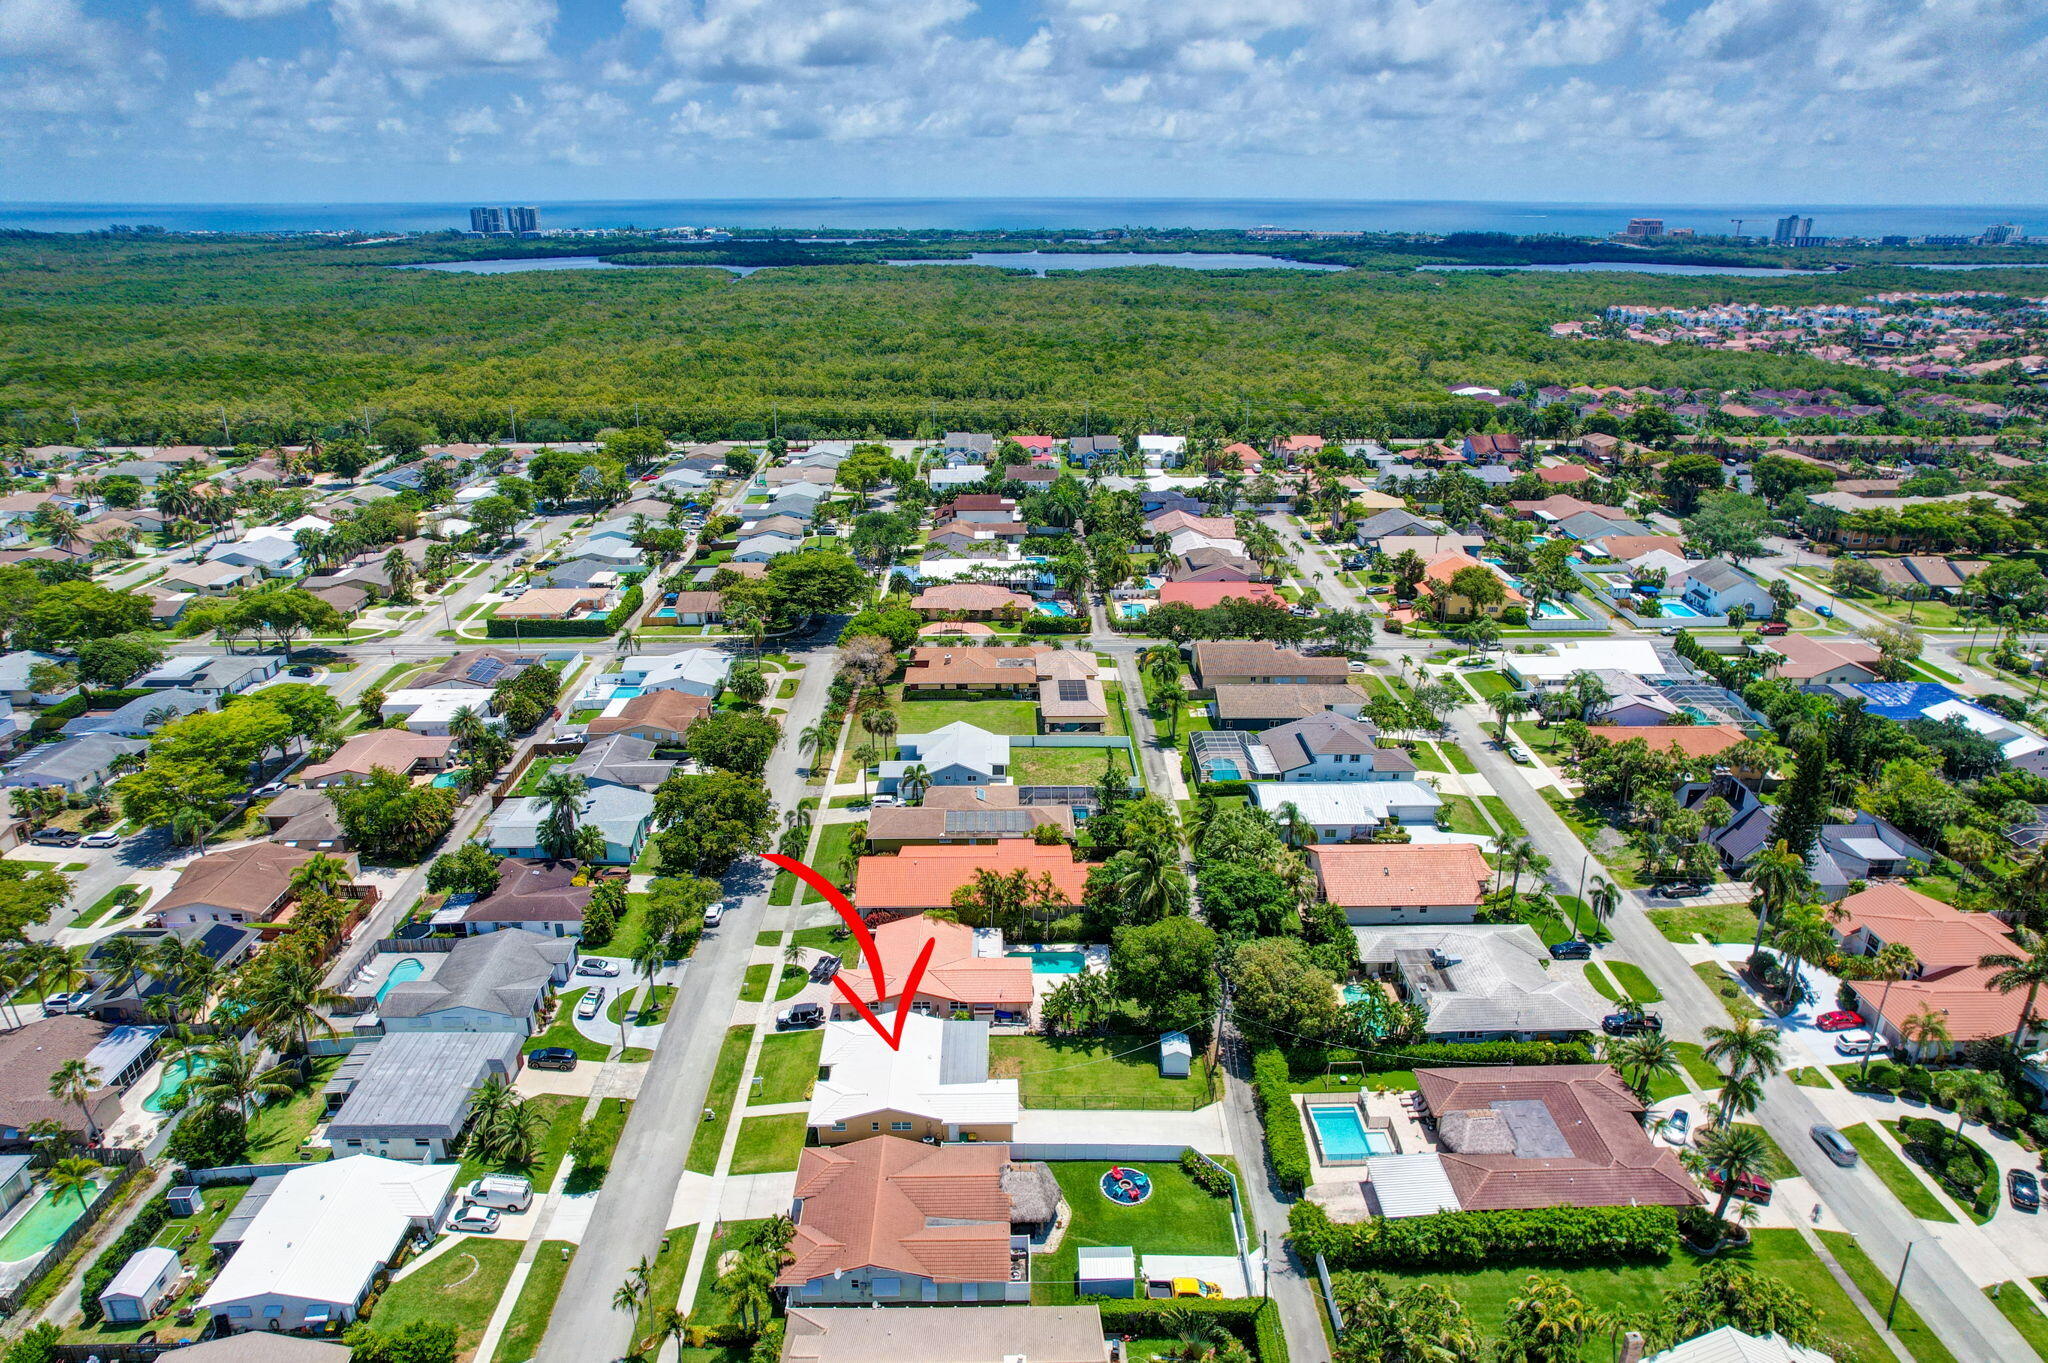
[[187, 1199], [141, 1285], [1106, 1271], [1176, 1055]]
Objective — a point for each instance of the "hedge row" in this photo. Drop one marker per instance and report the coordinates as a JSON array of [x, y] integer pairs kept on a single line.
[[1251, 1319], [1445, 1240], [1286, 1143], [1055, 624], [137, 1235], [592, 627], [1424, 1054]]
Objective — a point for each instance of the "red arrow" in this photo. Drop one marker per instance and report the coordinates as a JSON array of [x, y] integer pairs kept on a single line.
[[869, 953]]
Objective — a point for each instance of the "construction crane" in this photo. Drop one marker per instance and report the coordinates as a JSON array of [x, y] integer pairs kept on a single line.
[[1738, 225]]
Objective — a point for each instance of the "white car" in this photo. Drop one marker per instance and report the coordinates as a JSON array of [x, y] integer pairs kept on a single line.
[[474, 1220], [714, 915], [274, 788], [1357, 665], [597, 966], [593, 999], [1518, 753], [106, 837], [1858, 1043]]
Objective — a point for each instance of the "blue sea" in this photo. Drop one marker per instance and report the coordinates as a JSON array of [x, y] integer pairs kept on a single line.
[[1392, 215]]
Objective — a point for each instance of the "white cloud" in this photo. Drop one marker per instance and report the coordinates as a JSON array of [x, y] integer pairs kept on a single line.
[[440, 34], [254, 9]]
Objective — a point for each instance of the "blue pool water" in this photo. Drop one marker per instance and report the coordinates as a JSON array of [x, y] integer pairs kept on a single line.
[[448, 780], [1054, 962], [1343, 1134], [411, 968], [665, 613], [1055, 608], [1225, 771], [625, 692], [1555, 610], [1677, 610], [1131, 609], [175, 1077]]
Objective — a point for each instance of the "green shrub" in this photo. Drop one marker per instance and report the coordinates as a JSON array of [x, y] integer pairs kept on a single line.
[[1204, 1175], [1447, 1240], [1286, 1143], [1310, 1061], [1252, 1321], [137, 1235]]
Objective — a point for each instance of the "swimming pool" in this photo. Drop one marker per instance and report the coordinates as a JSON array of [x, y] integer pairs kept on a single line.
[[1132, 609], [411, 968], [176, 1076], [625, 692], [1054, 962], [1224, 771], [1057, 609], [448, 780], [665, 613], [1676, 610], [1341, 1133], [48, 1218]]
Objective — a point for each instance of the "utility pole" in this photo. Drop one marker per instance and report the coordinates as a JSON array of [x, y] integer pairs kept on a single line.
[[225, 437], [1899, 1285]]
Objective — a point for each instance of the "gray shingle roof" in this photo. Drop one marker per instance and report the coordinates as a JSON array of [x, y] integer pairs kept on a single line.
[[498, 972], [420, 1083]]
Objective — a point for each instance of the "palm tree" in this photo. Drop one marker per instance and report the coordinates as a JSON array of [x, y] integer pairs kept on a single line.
[[73, 1082], [1295, 829], [914, 782], [286, 998], [1172, 697], [1603, 898], [17, 970], [881, 724], [1747, 1049], [1546, 1323], [1802, 939], [1925, 1028], [1778, 875], [1972, 1093], [1734, 1151], [1506, 705], [2018, 972], [749, 1288], [231, 1078], [75, 1175], [811, 742], [487, 1111], [563, 795], [633, 1290], [865, 756], [1641, 1059], [796, 832], [1192, 1339], [1894, 961], [672, 1325]]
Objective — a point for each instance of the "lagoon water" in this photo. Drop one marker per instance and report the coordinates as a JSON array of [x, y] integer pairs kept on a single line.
[[1037, 262], [1632, 267]]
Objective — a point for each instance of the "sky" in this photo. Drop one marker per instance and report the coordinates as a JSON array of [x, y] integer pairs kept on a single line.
[[1845, 101]]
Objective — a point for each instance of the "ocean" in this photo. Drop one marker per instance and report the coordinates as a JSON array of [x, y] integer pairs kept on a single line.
[[1393, 215]]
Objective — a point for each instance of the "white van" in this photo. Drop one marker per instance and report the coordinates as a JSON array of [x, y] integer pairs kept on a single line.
[[506, 1192]]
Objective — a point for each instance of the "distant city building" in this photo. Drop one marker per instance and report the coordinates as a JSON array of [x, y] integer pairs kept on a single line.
[[524, 219], [1949, 241], [1895, 241], [487, 220], [1803, 240], [1998, 234], [1791, 228], [1645, 227]]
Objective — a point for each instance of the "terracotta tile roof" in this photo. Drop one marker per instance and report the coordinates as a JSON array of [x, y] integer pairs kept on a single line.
[[1564, 473], [1609, 1161], [1948, 943], [1203, 595], [1694, 740], [955, 974], [393, 749], [1173, 522], [1804, 657], [1246, 658], [672, 711], [1559, 504], [925, 877], [250, 879], [965, 628], [968, 596], [977, 501], [551, 603], [1382, 875], [900, 1206], [1444, 567], [952, 665], [1626, 547]]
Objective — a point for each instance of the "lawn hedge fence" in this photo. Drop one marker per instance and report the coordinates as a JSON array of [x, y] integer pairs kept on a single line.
[[1286, 1142], [1253, 1320], [135, 1236], [1445, 1240], [592, 627], [1307, 1061]]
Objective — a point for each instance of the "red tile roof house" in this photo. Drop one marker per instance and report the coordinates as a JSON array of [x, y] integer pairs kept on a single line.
[[994, 988], [1564, 474], [896, 1221], [1949, 983], [1816, 661], [1516, 1137], [977, 508], [923, 878], [967, 601], [1491, 449], [1402, 883], [1203, 595]]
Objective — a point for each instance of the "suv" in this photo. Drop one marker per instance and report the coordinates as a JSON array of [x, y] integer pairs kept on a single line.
[[714, 915], [1571, 951], [799, 1015], [56, 837], [1833, 1144], [106, 837], [1774, 627], [66, 1003], [552, 1058]]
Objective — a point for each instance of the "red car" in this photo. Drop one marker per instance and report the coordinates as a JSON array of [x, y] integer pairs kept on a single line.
[[1841, 1020], [1748, 1187]]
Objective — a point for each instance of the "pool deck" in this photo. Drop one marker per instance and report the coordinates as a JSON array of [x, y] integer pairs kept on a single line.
[[1410, 1137]]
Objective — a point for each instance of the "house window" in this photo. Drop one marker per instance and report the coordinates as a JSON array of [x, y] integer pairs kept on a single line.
[[899, 1126], [355, 1143], [874, 1126], [839, 1126]]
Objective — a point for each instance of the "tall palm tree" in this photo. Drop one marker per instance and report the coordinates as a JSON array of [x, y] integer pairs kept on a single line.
[[563, 795], [1604, 897], [232, 1078], [1734, 1151], [2018, 972], [1972, 1093], [286, 999], [811, 743], [633, 1290], [749, 1288], [75, 1175], [1925, 1028], [1172, 697], [73, 1082], [882, 724], [1801, 939], [1507, 705], [1778, 876], [914, 782], [1893, 962], [1748, 1049], [1642, 1059]]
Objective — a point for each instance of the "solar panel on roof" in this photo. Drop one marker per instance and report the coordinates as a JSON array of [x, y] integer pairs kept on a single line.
[[485, 670], [987, 820], [1073, 690]]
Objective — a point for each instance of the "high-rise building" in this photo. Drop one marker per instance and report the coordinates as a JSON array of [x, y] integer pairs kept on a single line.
[[2001, 233], [486, 220], [1790, 229], [1645, 227], [524, 219]]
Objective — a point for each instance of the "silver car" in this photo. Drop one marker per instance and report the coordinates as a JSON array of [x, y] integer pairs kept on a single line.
[[475, 1220]]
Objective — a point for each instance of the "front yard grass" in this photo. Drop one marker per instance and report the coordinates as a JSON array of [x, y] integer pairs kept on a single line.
[[1896, 1174], [1461, 815], [1807, 1077], [1715, 922], [1096, 1072], [1875, 1286], [1633, 980], [564, 1114], [835, 858], [536, 1303], [1178, 1218], [664, 1280], [1694, 1057], [115, 901], [768, 1145], [721, 1098], [2026, 1317], [563, 1032], [1728, 989], [787, 1067], [1489, 683], [754, 988], [461, 1288], [610, 1124], [278, 1129], [536, 771], [996, 715], [1510, 826], [1066, 766]]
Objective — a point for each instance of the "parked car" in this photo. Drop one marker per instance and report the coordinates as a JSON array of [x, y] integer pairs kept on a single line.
[[1678, 890], [1668, 631], [1571, 951], [274, 788], [552, 1058], [883, 802], [1774, 627], [1825, 612], [1840, 1020], [2023, 1190], [714, 915], [1356, 665], [56, 837], [474, 1220], [1630, 1023], [1675, 1126], [824, 968], [1195, 1287], [799, 1015], [1748, 1187], [1833, 1144], [302, 670], [507, 1192], [67, 1003], [1518, 753], [1858, 1043], [593, 999], [106, 837], [592, 965]]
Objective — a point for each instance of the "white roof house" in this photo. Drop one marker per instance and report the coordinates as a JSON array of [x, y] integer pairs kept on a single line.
[[761, 548], [1730, 1345], [309, 1256], [1482, 980], [958, 755], [1410, 1185], [143, 1282], [939, 1072], [696, 672], [2013, 740], [430, 710], [1187, 541], [1342, 805], [1555, 668]]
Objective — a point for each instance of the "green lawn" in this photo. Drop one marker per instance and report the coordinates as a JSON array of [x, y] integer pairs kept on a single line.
[[1427, 758], [1704, 1074], [1461, 815], [1807, 1077], [610, 1124], [1178, 1218], [105, 905], [1095, 1072], [536, 1302], [1605, 987], [563, 1031], [768, 1145], [787, 1067], [1986, 1203], [1875, 1285], [1715, 922], [664, 995], [278, 1129], [461, 1288], [536, 771], [834, 858], [1460, 762], [1510, 826], [1779, 1165], [1489, 683], [2026, 1317], [1635, 981], [721, 1099], [665, 1279], [564, 1114], [1727, 989], [918, 715], [189, 1236], [1896, 1174], [1065, 766]]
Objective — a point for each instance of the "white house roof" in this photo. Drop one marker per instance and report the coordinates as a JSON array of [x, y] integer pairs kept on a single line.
[[1492, 978], [958, 744], [435, 704], [702, 666], [1411, 1185], [619, 812], [1590, 655], [140, 1275], [1659, 559], [1730, 1345], [2012, 739], [1348, 802], [327, 1228], [940, 1071]]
